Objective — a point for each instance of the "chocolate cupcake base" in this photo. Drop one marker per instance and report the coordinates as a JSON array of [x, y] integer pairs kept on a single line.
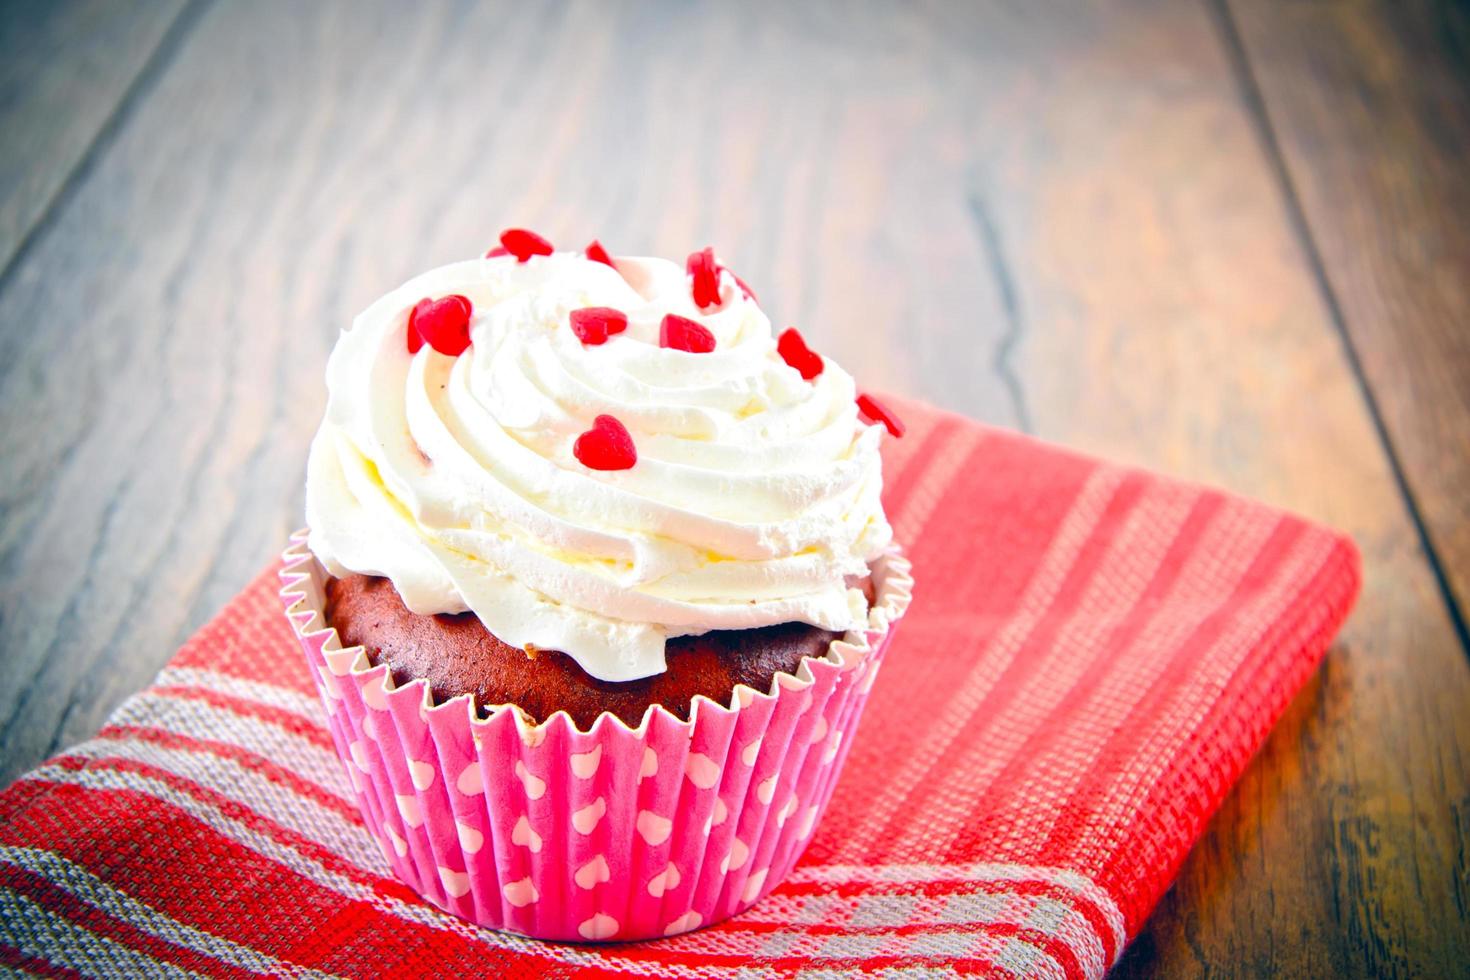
[[456, 655]]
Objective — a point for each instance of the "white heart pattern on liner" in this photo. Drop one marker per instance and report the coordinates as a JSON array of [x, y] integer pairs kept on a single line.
[[470, 839], [831, 752], [399, 844], [592, 873], [685, 922], [701, 770], [421, 773], [535, 786], [654, 828], [663, 881], [358, 751], [599, 927], [749, 753], [471, 782], [649, 766], [584, 764], [585, 819], [408, 806], [520, 893], [736, 858], [374, 695], [766, 790], [456, 883], [754, 883], [523, 835]]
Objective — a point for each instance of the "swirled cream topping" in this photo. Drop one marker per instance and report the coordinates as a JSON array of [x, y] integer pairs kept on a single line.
[[754, 497]]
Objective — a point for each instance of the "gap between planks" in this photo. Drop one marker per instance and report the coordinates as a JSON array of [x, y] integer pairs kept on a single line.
[[1255, 105], [152, 69]]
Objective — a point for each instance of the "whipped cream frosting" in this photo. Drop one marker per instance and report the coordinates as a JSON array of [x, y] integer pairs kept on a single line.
[[754, 497]]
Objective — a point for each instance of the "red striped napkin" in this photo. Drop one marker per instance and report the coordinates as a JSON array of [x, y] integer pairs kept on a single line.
[[1092, 657]]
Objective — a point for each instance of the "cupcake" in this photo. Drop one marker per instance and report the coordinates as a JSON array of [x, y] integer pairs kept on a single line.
[[595, 583]]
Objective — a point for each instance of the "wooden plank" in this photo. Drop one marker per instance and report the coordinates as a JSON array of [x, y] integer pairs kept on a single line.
[[1370, 105], [1173, 320], [1061, 220], [64, 69]]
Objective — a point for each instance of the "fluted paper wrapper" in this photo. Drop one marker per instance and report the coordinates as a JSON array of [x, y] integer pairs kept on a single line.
[[615, 833]]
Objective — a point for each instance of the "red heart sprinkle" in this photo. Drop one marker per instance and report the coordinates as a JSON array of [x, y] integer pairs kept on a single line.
[[496, 252], [876, 412], [443, 322], [794, 351], [605, 446], [523, 244], [681, 333], [416, 339], [594, 324], [597, 253], [705, 271]]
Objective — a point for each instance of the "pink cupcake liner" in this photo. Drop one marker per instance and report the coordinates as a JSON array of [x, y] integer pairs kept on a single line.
[[616, 833]]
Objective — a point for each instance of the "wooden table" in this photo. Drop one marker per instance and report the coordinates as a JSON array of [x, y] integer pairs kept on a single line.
[[1229, 240]]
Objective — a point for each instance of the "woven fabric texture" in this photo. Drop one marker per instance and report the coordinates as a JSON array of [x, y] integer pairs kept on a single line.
[[1092, 657]]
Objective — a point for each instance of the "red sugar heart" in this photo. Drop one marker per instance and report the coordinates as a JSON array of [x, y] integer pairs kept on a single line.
[[523, 244], [876, 412], [597, 253], [605, 446], [594, 324], [497, 252], [794, 351], [681, 333], [705, 272], [443, 322]]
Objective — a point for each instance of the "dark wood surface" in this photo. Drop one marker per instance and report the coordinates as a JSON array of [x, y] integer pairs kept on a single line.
[[1225, 240]]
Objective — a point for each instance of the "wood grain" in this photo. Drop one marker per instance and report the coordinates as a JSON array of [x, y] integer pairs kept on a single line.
[[1062, 222], [66, 68], [1370, 104]]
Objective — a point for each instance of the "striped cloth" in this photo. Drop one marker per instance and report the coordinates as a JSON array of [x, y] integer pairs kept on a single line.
[[1093, 656]]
